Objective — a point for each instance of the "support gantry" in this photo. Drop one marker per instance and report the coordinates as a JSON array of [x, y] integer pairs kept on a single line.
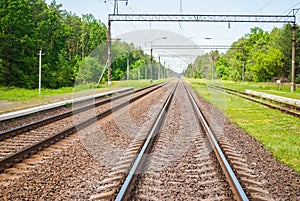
[[205, 18]]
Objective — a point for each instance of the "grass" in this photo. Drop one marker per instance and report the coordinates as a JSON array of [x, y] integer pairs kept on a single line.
[[266, 87], [13, 98], [135, 83], [20, 94], [278, 132], [25, 95]]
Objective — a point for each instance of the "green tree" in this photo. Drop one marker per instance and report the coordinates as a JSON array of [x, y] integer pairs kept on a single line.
[[26, 26], [89, 71], [266, 65], [222, 70], [139, 64], [16, 41]]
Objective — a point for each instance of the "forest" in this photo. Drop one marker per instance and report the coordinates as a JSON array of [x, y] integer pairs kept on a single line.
[[74, 50], [265, 56], [68, 42]]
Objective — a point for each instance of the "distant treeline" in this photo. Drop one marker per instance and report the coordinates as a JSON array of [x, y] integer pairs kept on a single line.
[[266, 56]]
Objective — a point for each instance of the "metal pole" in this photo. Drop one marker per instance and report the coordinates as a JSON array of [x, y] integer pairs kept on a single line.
[[293, 86], [212, 70], [108, 35], [151, 59], [127, 69], [243, 65], [165, 70], [40, 71], [158, 74], [116, 9]]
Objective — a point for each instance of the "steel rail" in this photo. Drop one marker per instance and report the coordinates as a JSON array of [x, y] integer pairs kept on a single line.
[[26, 152], [231, 177], [291, 106], [25, 128], [244, 95], [127, 186]]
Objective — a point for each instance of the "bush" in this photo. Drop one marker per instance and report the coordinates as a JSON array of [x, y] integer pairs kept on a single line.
[[297, 79]]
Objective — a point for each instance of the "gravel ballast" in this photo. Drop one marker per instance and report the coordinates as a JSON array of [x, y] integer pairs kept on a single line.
[[67, 171], [281, 181]]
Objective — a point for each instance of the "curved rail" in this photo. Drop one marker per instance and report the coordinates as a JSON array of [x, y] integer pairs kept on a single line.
[[26, 152], [231, 177]]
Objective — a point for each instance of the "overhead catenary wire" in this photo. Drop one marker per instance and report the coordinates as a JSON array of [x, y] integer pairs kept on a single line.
[[131, 10], [291, 8], [107, 7], [264, 6]]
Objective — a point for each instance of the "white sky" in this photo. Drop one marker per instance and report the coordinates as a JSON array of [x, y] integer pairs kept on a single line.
[[219, 33]]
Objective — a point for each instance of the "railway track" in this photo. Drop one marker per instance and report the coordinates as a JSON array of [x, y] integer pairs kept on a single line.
[[179, 158], [19, 143], [286, 108], [79, 107], [21, 117]]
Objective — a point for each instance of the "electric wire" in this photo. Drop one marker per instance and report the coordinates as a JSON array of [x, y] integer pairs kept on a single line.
[[264, 6], [290, 9]]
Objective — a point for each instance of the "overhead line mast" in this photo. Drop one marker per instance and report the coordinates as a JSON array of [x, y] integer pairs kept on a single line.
[[202, 18], [108, 36], [116, 5], [208, 18]]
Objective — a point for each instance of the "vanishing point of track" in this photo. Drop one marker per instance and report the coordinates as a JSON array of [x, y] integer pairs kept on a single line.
[[138, 174]]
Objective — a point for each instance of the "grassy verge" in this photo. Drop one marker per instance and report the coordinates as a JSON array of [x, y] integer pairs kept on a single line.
[[270, 88], [135, 83], [278, 132], [19, 94]]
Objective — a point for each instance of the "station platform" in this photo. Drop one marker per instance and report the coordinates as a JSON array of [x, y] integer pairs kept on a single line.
[[36, 109], [274, 97]]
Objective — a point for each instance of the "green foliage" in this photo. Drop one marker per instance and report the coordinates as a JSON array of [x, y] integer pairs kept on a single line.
[[222, 70], [275, 130], [190, 71], [122, 52], [136, 68], [29, 95], [266, 65], [26, 26], [201, 68], [297, 79], [265, 56], [89, 71]]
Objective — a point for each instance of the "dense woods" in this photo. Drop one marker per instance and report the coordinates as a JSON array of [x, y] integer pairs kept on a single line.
[[30, 25], [266, 56], [68, 42]]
